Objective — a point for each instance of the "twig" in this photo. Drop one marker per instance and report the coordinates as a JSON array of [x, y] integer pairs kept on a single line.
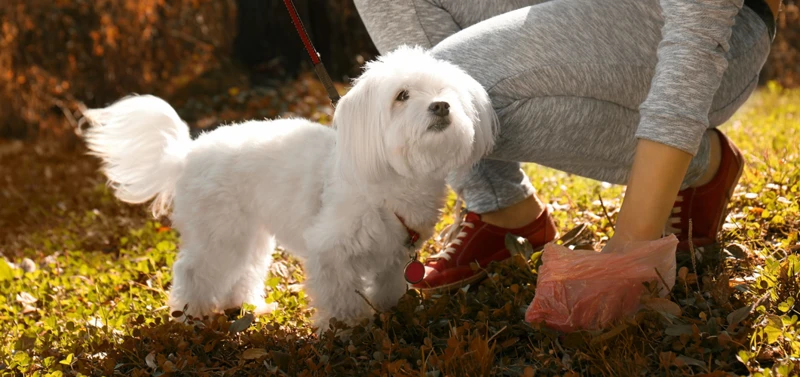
[[685, 286], [694, 259], [605, 212], [67, 113], [75, 123], [758, 302], [569, 199], [694, 266], [161, 291], [496, 334], [191, 39], [367, 301], [558, 344], [669, 291]]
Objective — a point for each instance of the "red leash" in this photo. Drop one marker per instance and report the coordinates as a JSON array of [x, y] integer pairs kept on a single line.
[[312, 53], [415, 270]]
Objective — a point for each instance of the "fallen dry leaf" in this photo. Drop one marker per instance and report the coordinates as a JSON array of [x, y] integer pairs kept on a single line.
[[254, 353], [663, 305]]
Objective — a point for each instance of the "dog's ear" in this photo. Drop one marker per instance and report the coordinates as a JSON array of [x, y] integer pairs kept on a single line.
[[359, 142], [486, 124]]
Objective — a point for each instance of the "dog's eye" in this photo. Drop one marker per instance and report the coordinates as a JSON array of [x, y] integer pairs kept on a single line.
[[402, 96]]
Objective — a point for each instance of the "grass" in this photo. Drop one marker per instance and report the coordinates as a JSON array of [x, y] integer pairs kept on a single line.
[[84, 278]]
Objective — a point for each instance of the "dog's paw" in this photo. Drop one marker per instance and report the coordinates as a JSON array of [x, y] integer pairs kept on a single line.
[[340, 329], [384, 299], [188, 312], [265, 308]]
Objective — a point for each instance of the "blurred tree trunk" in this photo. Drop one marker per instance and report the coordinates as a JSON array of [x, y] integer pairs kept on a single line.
[[783, 64], [269, 45]]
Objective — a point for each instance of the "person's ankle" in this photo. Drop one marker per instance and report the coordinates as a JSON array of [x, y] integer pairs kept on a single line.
[[516, 215], [715, 157]]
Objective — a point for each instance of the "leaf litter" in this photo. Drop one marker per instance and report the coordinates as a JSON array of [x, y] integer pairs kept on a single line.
[[90, 297]]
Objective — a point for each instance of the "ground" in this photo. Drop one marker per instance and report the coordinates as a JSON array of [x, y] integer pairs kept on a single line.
[[83, 280]]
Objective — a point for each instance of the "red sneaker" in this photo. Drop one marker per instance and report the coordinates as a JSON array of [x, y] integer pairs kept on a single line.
[[477, 241], [707, 205]]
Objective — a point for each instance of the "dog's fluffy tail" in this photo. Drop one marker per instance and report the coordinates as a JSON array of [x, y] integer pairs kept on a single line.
[[143, 145]]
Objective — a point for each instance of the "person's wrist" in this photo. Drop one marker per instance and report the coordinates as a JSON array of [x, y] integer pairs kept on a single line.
[[636, 226], [626, 233]]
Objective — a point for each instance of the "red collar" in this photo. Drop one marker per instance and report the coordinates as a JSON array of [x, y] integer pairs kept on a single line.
[[415, 270], [413, 236]]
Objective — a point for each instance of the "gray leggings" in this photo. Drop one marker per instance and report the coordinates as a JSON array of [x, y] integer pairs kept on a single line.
[[566, 78]]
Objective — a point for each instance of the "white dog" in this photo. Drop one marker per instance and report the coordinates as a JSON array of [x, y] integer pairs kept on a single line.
[[335, 198]]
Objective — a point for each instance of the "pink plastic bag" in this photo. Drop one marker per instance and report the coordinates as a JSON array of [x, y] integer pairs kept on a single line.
[[588, 290]]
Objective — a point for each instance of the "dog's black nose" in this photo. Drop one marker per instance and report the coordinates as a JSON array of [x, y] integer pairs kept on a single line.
[[440, 108]]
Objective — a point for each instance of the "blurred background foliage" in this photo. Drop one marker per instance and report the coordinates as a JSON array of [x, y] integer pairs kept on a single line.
[[59, 55]]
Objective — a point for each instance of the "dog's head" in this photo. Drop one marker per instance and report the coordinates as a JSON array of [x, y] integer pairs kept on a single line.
[[413, 116]]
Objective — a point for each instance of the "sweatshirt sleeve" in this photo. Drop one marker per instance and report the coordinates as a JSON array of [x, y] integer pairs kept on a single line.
[[691, 61]]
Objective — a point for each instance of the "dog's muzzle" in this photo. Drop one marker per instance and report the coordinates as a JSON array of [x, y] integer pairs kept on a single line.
[[441, 112]]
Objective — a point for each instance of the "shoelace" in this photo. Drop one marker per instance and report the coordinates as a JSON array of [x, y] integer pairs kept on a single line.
[[675, 218], [453, 234]]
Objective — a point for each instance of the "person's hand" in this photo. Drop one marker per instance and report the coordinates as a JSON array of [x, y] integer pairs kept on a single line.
[[614, 244]]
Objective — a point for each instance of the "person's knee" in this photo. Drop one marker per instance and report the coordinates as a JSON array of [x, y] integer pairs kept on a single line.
[[722, 114]]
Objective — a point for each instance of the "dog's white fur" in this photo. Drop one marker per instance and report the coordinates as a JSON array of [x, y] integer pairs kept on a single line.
[[328, 196]]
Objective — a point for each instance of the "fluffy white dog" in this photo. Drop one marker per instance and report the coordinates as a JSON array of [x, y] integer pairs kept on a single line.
[[334, 197]]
